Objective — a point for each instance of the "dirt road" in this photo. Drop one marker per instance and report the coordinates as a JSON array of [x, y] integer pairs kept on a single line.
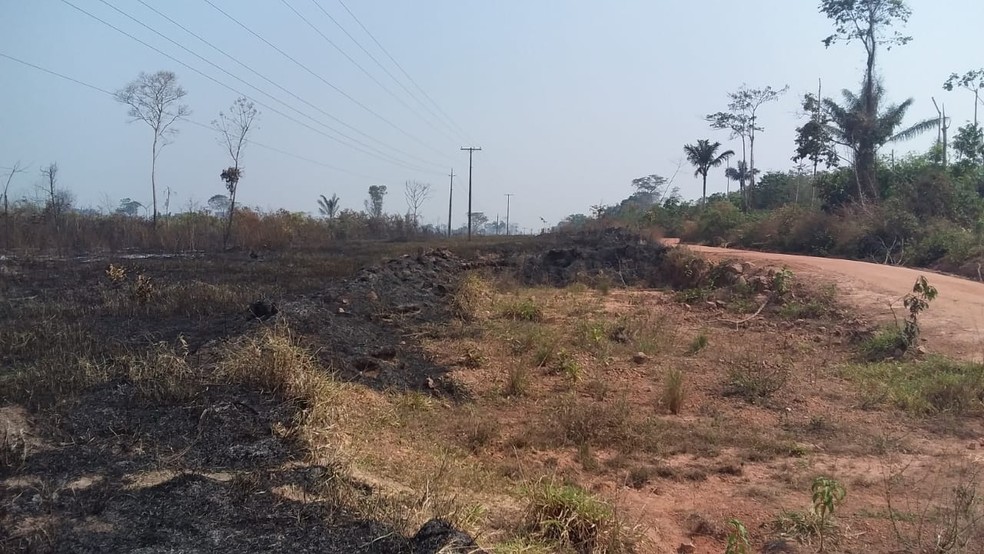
[[953, 325]]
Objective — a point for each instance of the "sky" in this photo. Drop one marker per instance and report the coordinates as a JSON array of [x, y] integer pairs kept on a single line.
[[569, 99]]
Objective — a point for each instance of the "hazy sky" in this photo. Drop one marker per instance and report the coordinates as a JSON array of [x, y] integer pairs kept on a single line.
[[569, 99]]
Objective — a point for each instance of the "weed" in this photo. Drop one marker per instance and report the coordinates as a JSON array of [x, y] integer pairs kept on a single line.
[[755, 380], [569, 517], [738, 542], [810, 309], [782, 282], [597, 389], [471, 297], [586, 457], [517, 380], [640, 475], [697, 345], [886, 343], [523, 310], [481, 432], [473, 358], [674, 391]]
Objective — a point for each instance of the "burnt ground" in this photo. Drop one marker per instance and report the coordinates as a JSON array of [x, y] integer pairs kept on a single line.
[[92, 463]]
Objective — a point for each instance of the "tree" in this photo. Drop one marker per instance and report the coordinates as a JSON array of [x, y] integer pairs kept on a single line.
[[972, 81], [18, 168], [479, 219], [742, 120], [703, 156], [374, 204], [219, 203], [234, 129], [969, 143], [129, 207], [851, 127], [416, 193], [328, 207], [741, 174], [155, 100], [813, 140], [58, 200], [868, 22]]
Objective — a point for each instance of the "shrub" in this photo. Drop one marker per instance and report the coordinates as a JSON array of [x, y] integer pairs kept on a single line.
[[755, 380]]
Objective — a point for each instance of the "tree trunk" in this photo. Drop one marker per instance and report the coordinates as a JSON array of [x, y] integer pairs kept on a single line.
[[705, 190], [153, 179], [751, 165], [232, 210]]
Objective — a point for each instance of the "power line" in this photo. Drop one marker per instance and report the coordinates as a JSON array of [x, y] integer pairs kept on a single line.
[[325, 81], [369, 54], [361, 68], [290, 154], [286, 91], [56, 74], [108, 93], [367, 149], [400, 67]]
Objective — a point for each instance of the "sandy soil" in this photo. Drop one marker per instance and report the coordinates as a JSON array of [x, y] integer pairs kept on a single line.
[[954, 324]]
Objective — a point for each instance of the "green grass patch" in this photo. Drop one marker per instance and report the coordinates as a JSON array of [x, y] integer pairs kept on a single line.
[[929, 387], [569, 517], [886, 343], [522, 310]]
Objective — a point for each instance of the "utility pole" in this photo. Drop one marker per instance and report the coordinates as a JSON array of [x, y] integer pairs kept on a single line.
[[508, 198], [450, 198], [471, 150]]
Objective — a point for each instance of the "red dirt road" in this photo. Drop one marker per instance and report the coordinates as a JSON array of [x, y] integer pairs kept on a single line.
[[953, 325]]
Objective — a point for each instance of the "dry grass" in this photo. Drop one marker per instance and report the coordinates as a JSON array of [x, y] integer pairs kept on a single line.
[[569, 517]]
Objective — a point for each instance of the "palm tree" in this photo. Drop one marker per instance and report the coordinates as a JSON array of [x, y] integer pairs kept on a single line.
[[864, 135], [704, 156], [328, 207]]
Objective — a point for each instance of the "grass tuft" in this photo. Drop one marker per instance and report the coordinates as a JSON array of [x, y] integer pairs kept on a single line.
[[569, 517], [933, 386], [674, 391]]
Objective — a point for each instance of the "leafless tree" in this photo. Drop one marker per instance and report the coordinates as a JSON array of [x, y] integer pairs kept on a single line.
[[234, 129], [18, 168], [417, 193], [155, 100]]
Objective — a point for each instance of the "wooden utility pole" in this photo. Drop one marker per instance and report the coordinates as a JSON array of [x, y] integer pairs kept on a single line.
[[508, 198], [471, 150], [450, 198]]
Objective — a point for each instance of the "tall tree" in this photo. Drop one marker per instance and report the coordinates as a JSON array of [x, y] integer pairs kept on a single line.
[[234, 129], [851, 127], [374, 204], [813, 139], [742, 119], [972, 81], [869, 22], [155, 99], [703, 156], [416, 194], [328, 207]]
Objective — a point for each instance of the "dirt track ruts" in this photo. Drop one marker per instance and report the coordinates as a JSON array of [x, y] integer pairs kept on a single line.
[[953, 325]]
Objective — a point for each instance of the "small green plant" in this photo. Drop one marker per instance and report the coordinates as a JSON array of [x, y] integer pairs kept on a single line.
[[827, 495], [674, 391], [697, 345], [565, 364], [692, 295], [738, 542], [916, 302], [782, 282]]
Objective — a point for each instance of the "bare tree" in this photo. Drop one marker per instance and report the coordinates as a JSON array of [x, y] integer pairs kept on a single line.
[[155, 100], [417, 193], [234, 129], [18, 168]]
